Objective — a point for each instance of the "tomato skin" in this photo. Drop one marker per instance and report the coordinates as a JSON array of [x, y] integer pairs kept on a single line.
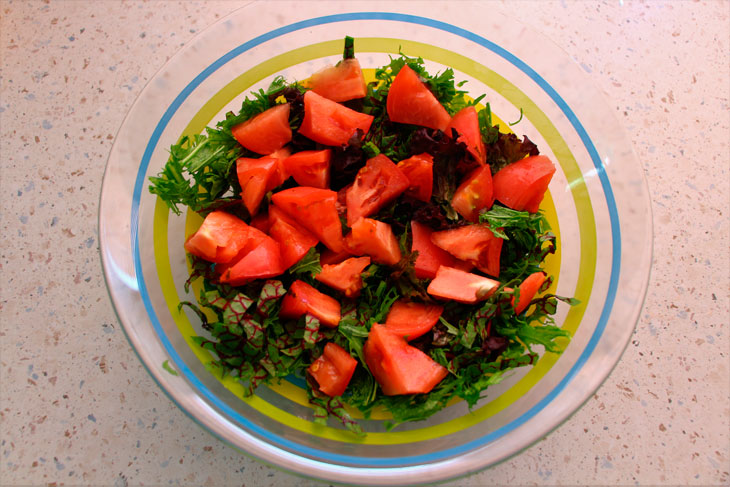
[[293, 240], [430, 257], [303, 298], [374, 238], [266, 132], [411, 320], [460, 286], [254, 176], [410, 101], [333, 370], [330, 123], [377, 183], [522, 185], [474, 194], [219, 239], [310, 168], [475, 244], [314, 209], [341, 82], [398, 367], [345, 276], [262, 262], [528, 290], [419, 171], [466, 124]]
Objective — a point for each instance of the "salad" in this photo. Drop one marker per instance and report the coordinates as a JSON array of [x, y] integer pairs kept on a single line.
[[381, 240]]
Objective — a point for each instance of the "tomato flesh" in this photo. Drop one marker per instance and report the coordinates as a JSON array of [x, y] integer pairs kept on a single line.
[[474, 194], [219, 239], [254, 176], [377, 183], [262, 262], [460, 286], [294, 240], [333, 370], [430, 257], [475, 244], [341, 82], [466, 124], [528, 290], [398, 367], [411, 320], [330, 123], [303, 298], [522, 185], [410, 101], [374, 238], [345, 276], [314, 209], [281, 174], [419, 171], [266, 132], [310, 168]]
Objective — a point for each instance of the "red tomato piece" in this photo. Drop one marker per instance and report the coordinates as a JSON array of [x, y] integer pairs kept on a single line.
[[333, 370], [345, 276], [254, 176], [314, 209], [374, 238], [330, 123], [419, 171], [262, 262], [410, 101], [522, 184], [430, 257], [219, 239], [474, 194], [266, 132], [341, 82], [330, 258], [398, 367], [281, 174], [261, 222], [411, 320], [310, 168], [294, 240], [377, 183], [460, 286], [473, 243], [528, 290], [303, 298], [466, 124]]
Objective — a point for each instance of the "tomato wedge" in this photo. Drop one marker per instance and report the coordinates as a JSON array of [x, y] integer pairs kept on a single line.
[[262, 262], [294, 240], [410, 101], [460, 286], [333, 370], [345, 276], [327, 257], [466, 124], [254, 176], [522, 184], [303, 298], [374, 238], [330, 123], [419, 171], [310, 168], [315, 210], [475, 244], [341, 82], [474, 194], [281, 174], [411, 320], [528, 290], [219, 239], [398, 367], [266, 132], [430, 257], [377, 183]]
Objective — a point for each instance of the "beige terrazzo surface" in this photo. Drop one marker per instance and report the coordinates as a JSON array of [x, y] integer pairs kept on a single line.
[[77, 407]]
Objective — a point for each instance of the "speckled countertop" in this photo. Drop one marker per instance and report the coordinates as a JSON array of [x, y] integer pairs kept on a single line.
[[76, 405]]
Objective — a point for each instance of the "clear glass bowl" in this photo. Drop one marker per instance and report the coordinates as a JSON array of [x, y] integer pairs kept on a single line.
[[598, 204]]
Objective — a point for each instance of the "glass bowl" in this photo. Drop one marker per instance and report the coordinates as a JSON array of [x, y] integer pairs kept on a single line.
[[598, 205]]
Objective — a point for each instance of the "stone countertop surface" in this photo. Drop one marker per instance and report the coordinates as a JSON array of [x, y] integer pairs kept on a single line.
[[78, 408]]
